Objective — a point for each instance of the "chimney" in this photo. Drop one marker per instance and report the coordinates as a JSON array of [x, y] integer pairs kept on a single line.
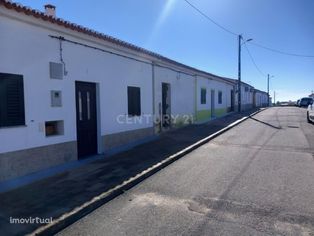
[[50, 10]]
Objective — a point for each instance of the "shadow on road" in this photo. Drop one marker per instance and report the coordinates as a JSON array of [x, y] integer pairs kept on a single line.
[[265, 123]]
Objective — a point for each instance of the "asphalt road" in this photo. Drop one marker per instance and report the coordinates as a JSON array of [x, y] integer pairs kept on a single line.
[[255, 179]]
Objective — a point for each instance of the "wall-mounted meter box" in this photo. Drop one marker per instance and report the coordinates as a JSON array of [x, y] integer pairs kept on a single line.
[[56, 70], [56, 98]]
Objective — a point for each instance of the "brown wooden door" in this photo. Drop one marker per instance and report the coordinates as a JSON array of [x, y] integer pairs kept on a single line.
[[86, 118]]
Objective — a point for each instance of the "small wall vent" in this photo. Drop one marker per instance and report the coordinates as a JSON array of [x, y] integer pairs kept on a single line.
[[56, 70]]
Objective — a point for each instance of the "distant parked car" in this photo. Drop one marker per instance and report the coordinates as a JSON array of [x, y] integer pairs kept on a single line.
[[305, 102], [310, 112]]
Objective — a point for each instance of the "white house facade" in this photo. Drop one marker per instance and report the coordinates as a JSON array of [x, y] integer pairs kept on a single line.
[[214, 97], [260, 98], [67, 92], [90, 91], [174, 98]]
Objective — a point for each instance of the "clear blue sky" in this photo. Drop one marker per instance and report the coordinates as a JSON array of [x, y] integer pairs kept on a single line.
[[175, 30]]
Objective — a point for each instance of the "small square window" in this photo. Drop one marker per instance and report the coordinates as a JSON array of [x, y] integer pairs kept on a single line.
[[54, 128]]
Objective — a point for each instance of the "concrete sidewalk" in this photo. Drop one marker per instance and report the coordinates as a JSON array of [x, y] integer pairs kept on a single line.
[[59, 194]]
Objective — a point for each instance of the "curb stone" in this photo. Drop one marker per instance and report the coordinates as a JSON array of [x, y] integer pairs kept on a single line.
[[89, 206]]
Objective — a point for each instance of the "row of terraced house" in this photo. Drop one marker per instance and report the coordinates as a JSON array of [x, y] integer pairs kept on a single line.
[[68, 92]]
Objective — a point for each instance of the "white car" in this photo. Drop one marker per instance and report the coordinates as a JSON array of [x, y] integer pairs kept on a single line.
[[310, 112]]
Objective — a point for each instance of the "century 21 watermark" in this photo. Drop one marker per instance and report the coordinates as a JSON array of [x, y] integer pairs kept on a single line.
[[30, 220], [148, 118]]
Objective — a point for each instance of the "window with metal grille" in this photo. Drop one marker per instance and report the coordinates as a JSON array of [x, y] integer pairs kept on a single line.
[[203, 95], [219, 97], [134, 101], [11, 100]]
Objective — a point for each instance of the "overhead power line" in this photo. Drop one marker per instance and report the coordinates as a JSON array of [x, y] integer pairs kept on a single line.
[[236, 34], [227, 30], [281, 52], [210, 19], [253, 61]]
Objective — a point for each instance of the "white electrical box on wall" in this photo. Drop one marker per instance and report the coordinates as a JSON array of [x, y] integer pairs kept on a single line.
[[56, 70], [56, 98]]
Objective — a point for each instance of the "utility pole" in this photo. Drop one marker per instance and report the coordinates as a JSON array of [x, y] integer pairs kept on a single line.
[[239, 74], [268, 77], [239, 70], [275, 98], [268, 87]]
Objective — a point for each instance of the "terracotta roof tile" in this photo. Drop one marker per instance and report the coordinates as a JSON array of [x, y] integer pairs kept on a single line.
[[59, 21]]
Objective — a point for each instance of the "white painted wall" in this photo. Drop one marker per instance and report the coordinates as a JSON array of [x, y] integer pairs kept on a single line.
[[212, 84], [203, 82], [261, 99], [247, 96], [182, 87], [26, 49]]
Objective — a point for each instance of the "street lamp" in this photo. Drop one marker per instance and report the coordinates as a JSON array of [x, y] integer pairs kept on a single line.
[[239, 70], [268, 77]]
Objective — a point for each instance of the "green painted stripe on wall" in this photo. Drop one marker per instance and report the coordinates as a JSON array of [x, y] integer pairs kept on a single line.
[[203, 115], [206, 114], [220, 112]]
